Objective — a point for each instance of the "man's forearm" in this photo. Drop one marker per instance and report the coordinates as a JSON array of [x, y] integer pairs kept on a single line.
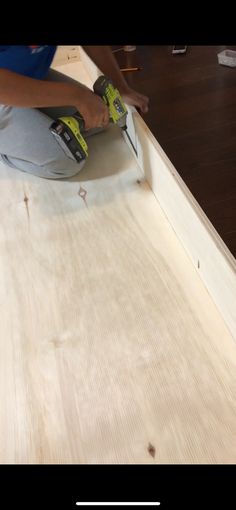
[[18, 90], [103, 57]]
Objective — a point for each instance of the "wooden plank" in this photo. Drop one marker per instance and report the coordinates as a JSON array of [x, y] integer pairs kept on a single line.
[[89, 65], [75, 70], [109, 340], [65, 55], [209, 254]]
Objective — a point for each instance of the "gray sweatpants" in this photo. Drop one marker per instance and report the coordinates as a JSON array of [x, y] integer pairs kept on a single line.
[[27, 144]]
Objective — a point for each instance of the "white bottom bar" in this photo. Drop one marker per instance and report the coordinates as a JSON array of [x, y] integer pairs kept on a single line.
[[117, 503]]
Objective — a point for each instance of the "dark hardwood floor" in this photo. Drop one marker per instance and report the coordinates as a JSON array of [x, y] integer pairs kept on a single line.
[[193, 116]]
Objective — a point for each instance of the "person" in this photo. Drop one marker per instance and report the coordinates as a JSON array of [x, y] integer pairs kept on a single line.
[[32, 94]]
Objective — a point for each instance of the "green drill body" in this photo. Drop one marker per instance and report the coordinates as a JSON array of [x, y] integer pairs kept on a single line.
[[68, 130]]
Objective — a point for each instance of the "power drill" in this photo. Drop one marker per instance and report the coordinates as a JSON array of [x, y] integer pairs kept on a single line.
[[67, 130]]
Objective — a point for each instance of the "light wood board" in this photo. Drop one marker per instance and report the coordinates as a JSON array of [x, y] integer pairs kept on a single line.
[[75, 70], [111, 348], [109, 340], [208, 253], [65, 55]]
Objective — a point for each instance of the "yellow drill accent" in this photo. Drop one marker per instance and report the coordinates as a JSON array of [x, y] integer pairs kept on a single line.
[[73, 125], [111, 96]]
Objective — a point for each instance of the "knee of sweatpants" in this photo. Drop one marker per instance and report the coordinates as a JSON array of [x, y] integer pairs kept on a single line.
[[56, 169], [61, 169]]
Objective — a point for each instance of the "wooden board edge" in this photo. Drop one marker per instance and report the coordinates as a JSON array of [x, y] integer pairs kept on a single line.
[[89, 65], [209, 254]]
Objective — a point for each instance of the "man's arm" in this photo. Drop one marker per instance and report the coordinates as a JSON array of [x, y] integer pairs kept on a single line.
[[21, 91], [103, 57]]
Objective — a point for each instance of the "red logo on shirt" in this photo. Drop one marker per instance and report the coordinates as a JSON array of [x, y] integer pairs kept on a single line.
[[36, 48]]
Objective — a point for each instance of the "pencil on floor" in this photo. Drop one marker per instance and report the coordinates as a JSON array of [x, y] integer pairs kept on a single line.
[[128, 69]]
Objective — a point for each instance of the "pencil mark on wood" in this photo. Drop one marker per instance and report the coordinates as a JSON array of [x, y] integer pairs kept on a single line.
[[151, 450], [138, 181], [26, 200], [82, 193], [198, 264]]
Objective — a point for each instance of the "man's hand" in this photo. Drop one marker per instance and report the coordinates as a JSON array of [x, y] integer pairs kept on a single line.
[[105, 60], [134, 98], [93, 109]]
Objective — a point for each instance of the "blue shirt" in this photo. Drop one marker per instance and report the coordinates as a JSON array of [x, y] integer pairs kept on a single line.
[[32, 61]]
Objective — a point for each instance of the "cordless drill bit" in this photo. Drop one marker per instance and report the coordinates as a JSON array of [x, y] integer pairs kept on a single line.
[[125, 129]]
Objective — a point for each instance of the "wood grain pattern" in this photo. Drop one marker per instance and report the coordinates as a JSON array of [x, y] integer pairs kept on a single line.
[[208, 253], [109, 341]]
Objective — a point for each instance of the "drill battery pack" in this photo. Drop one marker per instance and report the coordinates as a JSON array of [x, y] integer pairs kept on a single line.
[[66, 131]]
